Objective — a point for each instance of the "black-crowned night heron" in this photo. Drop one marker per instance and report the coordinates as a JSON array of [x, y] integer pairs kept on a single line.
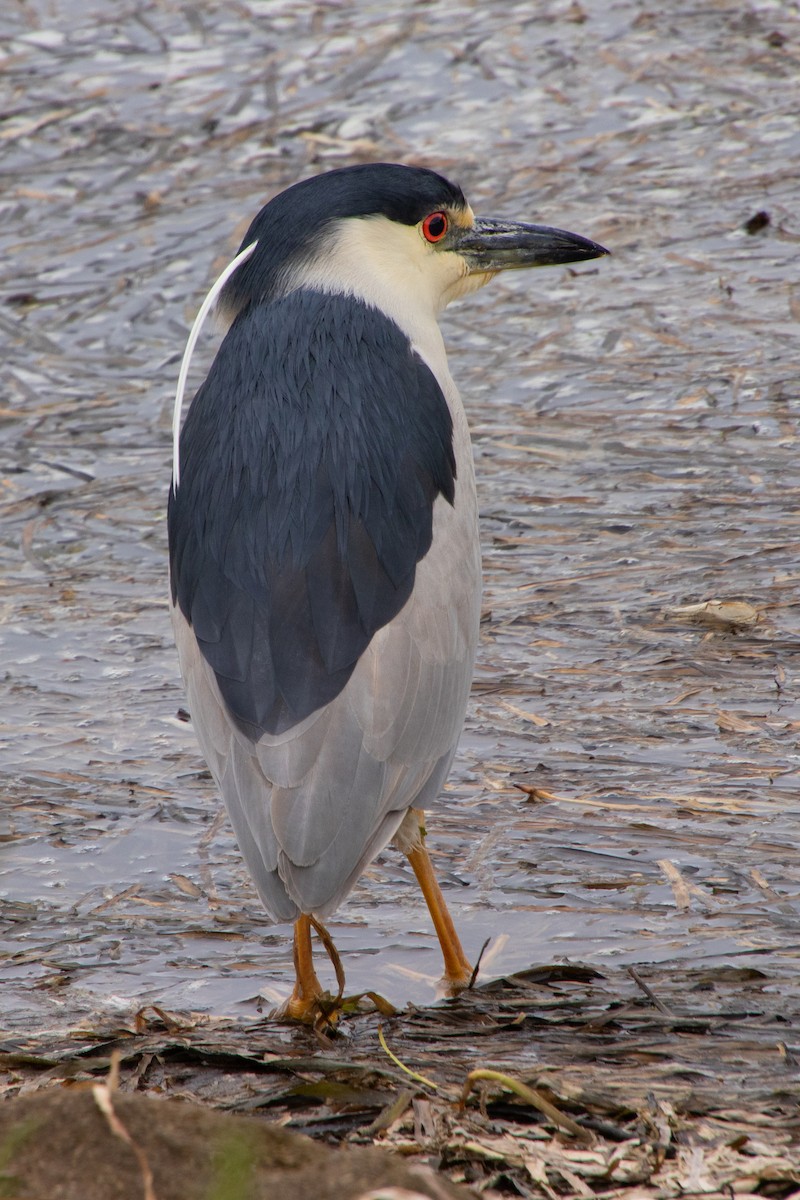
[[323, 531]]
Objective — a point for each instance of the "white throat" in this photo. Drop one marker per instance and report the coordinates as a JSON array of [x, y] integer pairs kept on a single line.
[[391, 267]]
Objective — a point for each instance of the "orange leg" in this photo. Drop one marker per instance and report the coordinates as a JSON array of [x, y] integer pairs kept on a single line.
[[308, 1002], [303, 1003], [457, 969]]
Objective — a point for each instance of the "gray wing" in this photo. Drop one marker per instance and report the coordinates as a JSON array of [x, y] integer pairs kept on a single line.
[[311, 807]]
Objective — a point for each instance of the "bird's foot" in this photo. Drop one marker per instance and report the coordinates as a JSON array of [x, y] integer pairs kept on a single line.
[[459, 976], [321, 1010], [309, 1003], [456, 981]]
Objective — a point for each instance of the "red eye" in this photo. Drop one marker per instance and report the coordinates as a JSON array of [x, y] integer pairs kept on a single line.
[[434, 227]]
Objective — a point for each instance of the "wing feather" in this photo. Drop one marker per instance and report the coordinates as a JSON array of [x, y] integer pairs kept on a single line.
[[327, 692], [313, 805], [311, 460]]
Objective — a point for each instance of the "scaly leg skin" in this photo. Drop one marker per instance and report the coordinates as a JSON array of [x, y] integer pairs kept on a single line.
[[309, 1003], [457, 969], [303, 1004]]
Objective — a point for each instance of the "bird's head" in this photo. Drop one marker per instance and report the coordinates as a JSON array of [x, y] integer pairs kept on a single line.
[[393, 235], [402, 239]]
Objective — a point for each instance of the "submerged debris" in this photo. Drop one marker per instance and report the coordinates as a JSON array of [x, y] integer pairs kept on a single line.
[[557, 1081]]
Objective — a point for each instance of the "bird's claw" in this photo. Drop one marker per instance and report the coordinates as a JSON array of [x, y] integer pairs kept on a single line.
[[321, 1011]]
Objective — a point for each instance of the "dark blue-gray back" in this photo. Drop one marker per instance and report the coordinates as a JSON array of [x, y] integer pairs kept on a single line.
[[311, 458]]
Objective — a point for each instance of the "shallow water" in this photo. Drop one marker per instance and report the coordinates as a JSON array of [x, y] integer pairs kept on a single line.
[[635, 427]]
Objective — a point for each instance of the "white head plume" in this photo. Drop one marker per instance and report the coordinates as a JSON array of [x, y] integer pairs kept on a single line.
[[199, 321]]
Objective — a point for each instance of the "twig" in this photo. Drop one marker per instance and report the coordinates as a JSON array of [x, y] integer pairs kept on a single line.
[[102, 1093], [477, 966], [332, 953], [391, 1113], [648, 991], [529, 1096], [414, 1074]]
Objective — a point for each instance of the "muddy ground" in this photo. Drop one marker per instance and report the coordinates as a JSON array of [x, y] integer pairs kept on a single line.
[[626, 793]]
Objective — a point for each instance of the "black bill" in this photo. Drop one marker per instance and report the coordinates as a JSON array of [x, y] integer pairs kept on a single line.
[[503, 245]]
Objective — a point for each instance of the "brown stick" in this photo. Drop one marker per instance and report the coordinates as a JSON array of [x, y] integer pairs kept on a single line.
[[332, 953]]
